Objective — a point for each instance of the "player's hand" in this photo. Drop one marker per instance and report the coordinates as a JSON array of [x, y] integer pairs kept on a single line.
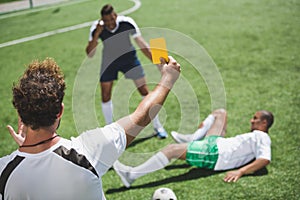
[[170, 71], [159, 66], [233, 176], [19, 137], [100, 26]]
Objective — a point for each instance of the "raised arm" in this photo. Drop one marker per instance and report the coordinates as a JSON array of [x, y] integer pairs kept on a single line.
[[234, 175], [91, 47], [152, 103]]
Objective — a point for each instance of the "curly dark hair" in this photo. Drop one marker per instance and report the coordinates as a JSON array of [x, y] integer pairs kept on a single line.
[[39, 94]]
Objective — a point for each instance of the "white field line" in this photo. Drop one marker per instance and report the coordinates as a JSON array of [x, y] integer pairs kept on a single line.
[[136, 6], [39, 8]]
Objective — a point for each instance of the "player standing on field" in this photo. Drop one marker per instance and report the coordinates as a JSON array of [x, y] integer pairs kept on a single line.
[[119, 55]]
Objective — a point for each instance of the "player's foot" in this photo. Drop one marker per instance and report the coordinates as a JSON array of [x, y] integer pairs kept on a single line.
[[161, 133], [123, 172], [181, 138]]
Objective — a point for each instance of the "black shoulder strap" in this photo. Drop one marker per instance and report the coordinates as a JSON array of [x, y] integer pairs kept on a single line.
[[7, 171]]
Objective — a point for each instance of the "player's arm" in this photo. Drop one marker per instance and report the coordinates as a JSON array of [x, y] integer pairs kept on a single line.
[[234, 175], [143, 46], [152, 103], [91, 47]]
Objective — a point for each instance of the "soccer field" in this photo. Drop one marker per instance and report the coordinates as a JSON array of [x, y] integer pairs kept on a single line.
[[239, 54]]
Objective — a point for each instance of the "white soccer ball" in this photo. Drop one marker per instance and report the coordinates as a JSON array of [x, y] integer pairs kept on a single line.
[[164, 194]]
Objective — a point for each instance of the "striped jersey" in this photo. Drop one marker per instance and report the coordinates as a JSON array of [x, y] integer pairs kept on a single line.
[[71, 169]]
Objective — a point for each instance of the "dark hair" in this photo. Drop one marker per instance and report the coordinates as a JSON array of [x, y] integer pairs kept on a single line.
[[268, 116], [39, 94], [107, 10]]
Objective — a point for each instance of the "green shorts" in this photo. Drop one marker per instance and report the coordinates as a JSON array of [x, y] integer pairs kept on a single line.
[[203, 153]]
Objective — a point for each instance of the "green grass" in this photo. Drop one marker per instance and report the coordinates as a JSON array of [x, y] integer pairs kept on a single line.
[[6, 1], [254, 43]]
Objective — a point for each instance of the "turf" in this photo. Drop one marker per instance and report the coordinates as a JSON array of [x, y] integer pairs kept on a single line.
[[5, 1], [253, 43]]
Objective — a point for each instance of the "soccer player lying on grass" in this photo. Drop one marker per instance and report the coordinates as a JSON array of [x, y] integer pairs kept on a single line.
[[47, 166], [214, 151]]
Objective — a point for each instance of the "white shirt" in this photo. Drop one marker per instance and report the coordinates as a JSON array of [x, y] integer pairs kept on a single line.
[[71, 169], [241, 149]]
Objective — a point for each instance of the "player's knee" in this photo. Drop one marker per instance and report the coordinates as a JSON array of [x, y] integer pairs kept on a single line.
[[172, 147], [105, 97], [220, 112], [143, 90], [173, 150]]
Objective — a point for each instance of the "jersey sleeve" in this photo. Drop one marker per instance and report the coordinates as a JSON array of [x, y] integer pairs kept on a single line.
[[136, 31], [263, 149], [92, 30], [103, 146]]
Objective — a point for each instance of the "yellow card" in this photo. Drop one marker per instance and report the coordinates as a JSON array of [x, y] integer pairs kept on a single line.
[[158, 50]]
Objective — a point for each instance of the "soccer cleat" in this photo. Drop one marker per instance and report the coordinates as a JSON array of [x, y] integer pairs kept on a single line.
[[123, 172], [161, 133], [181, 138]]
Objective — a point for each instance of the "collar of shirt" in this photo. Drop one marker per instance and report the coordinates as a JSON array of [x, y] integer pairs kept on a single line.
[[117, 25]]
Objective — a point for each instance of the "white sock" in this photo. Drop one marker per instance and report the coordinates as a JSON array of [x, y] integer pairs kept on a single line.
[[107, 109], [156, 162], [201, 132], [155, 121]]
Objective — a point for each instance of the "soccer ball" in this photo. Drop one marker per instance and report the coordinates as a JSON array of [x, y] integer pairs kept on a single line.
[[164, 194]]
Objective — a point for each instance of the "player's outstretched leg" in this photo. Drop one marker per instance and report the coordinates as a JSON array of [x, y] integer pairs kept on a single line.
[[158, 161], [129, 174]]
